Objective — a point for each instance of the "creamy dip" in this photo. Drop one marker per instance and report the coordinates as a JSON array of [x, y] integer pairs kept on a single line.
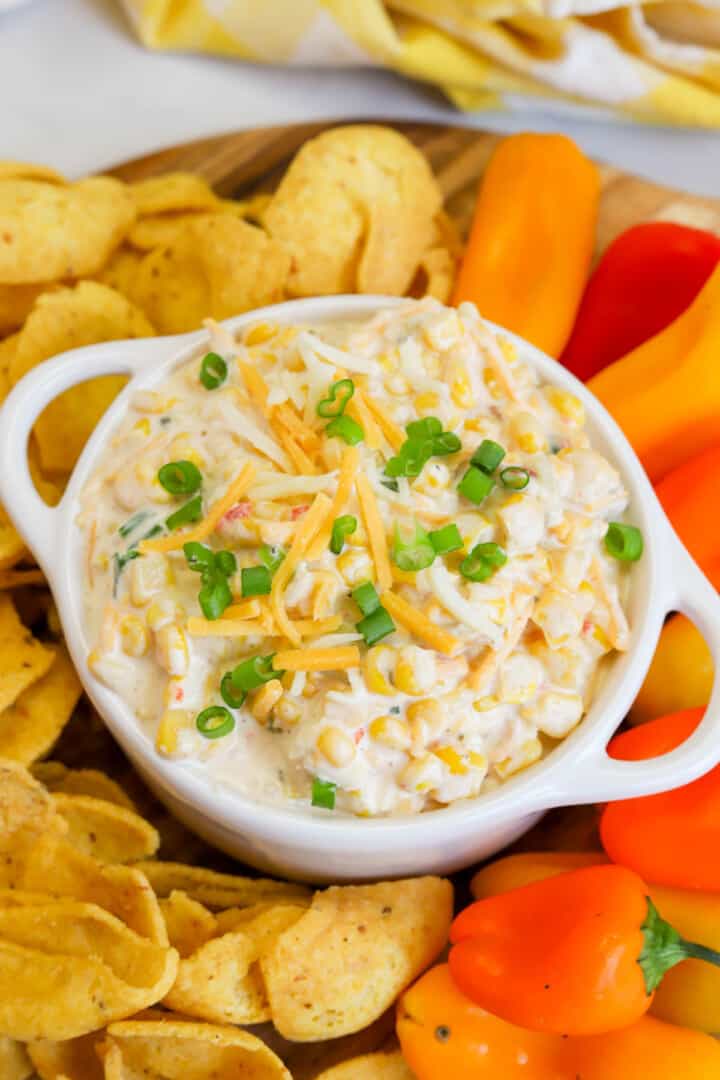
[[441, 637]]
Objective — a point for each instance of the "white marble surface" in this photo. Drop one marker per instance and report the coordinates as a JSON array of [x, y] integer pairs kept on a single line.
[[79, 93]]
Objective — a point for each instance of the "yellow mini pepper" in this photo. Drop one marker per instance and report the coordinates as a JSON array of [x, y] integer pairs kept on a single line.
[[689, 994], [532, 238], [665, 394], [680, 675]]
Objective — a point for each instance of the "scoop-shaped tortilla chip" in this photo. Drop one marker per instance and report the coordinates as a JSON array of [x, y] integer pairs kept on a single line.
[[24, 658], [216, 891], [29, 170], [16, 303], [66, 319], [58, 778], [50, 231], [32, 724], [215, 266], [350, 955], [75, 1059], [355, 211], [172, 191], [67, 968], [181, 1050], [120, 271], [189, 924], [221, 981], [14, 1061], [25, 806], [110, 833], [371, 1067]]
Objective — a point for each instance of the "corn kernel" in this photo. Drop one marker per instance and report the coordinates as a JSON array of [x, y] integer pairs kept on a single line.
[[171, 724], [461, 391], [336, 746], [602, 639], [508, 349], [148, 576], [265, 700], [134, 636], [528, 433], [484, 704], [566, 404], [415, 670], [259, 334], [426, 402], [494, 386], [171, 649], [452, 759], [529, 752], [426, 720], [143, 426], [159, 613], [478, 761], [354, 566], [391, 731], [287, 711], [379, 662]]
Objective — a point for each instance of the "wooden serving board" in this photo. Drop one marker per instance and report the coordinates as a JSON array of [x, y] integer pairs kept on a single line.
[[248, 161]]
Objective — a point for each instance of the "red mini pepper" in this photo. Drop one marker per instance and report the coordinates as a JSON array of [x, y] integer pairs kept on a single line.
[[576, 954], [647, 277]]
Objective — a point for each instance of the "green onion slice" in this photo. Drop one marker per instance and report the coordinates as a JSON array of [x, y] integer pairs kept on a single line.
[[476, 485], [225, 562], [198, 556], [446, 443], [214, 595], [482, 562], [230, 694], [271, 556], [336, 402], [427, 428], [343, 526], [624, 542], [188, 513], [323, 793], [366, 597], [254, 672], [255, 581], [488, 456], [446, 539], [376, 626], [344, 427], [214, 722], [132, 522], [213, 371], [414, 553], [514, 477], [180, 477]]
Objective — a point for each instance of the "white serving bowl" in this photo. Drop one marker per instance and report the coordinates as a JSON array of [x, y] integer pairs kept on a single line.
[[318, 846]]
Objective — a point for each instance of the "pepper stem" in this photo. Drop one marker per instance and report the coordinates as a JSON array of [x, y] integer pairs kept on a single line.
[[664, 948]]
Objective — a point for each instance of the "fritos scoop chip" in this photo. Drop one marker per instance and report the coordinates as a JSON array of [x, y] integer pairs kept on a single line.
[[24, 804], [350, 955], [120, 271], [14, 1062], [214, 266], [110, 833], [156, 230], [180, 1050], [221, 981], [172, 191], [31, 725], [58, 778], [215, 890], [50, 231], [67, 968], [24, 659], [355, 211], [75, 1059], [66, 319], [16, 302], [28, 170], [370, 1067], [189, 924], [12, 547]]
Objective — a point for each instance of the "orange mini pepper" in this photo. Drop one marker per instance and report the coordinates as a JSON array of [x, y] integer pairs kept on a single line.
[[688, 496], [672, 838], [680, 675], [689, 994], [665, 394], [445, 1036], [532, 238], [576, 954]]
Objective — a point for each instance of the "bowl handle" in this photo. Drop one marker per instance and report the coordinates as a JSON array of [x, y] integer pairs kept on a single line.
[[37, 522], [602, 778]]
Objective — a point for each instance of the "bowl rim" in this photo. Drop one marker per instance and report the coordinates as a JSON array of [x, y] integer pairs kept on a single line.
[[580, 757]]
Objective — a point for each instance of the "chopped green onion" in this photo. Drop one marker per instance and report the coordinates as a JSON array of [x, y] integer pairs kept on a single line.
[[488, 456], [132, 522], [343, 427], [375, 626], [215, 595], [476, 485], [254, 672], [272, 556], [255, 581], [411, 458], [323, 793], [225, 562], [514, 478], [391, 485], [336, 402], [121, 560], [214, 722], [213, 371], [624, 542], [482, 562], [198, 556], [446, 443], [446, 539], [415, 553], [230, 694], [180, 477], [188, 513], [343, 526], [427, 428], [366, 597]]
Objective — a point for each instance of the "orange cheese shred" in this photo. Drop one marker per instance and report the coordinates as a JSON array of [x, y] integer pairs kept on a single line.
[[394, 434], [309, 524], [302, 464], [419, 624], [217, 511], [255, 385], [348, 468], [375, 530], [338, 659]]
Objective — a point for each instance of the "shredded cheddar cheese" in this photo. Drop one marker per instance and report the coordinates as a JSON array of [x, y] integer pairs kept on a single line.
[[309, 524], [394, 434], [419, 624], [348, 469], [338, 659], [375, 530], [217, 511]]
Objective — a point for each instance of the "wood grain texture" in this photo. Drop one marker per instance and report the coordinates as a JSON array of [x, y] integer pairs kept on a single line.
[[248, 161]]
